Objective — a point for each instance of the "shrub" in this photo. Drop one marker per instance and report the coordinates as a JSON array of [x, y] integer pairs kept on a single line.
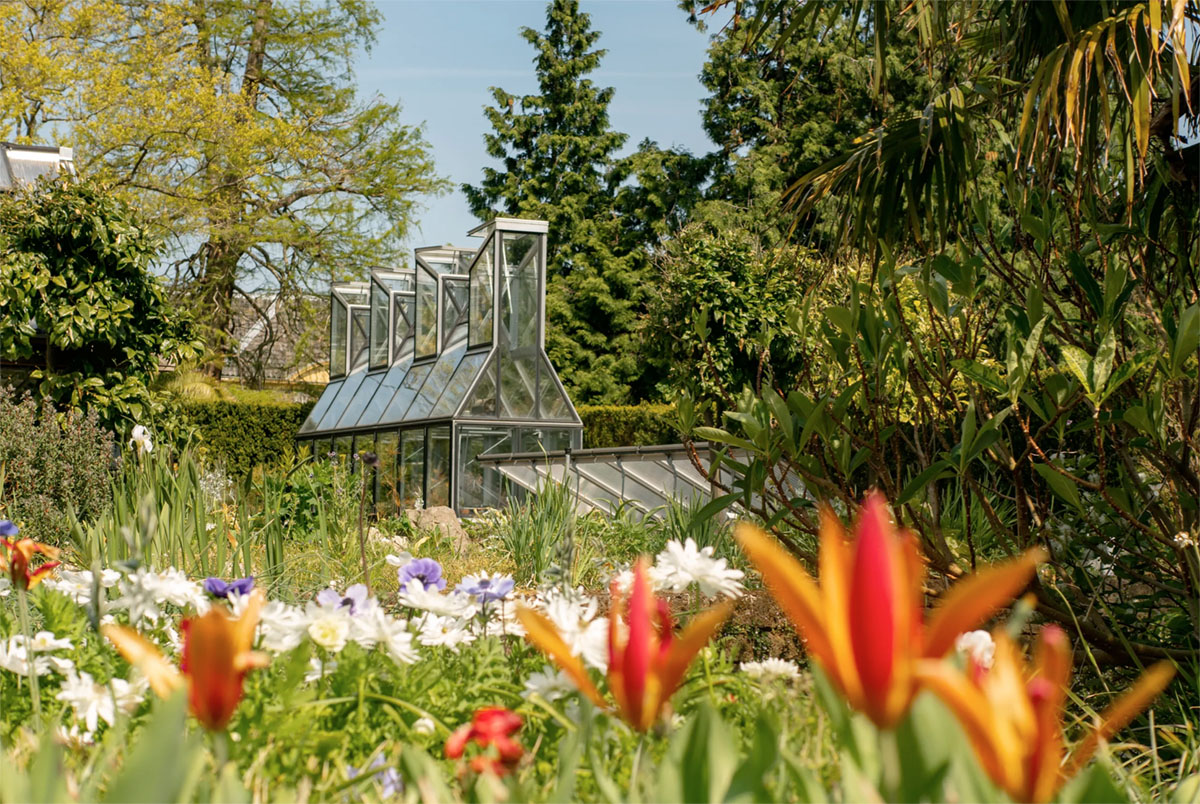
[[628, 425], [50, 463], [243, 435]]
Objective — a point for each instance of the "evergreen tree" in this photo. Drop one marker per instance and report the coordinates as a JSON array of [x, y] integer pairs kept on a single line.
[[558, 153]]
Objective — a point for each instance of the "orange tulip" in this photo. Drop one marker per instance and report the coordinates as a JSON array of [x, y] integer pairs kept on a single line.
[[216, 657], [646, 663], [20, 557], [865, 623], [1012, 714]]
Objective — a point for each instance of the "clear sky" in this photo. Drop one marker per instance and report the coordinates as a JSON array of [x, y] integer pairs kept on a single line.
[[439, 58]]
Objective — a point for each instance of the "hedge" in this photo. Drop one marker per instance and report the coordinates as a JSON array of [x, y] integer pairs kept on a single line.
[[242, 435], [627, 425]]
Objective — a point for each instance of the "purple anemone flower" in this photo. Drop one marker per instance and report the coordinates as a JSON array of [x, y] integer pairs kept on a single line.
[[7, 528], [388, 778], [425, 570], [355, 597], [486, 588], [219, 588]]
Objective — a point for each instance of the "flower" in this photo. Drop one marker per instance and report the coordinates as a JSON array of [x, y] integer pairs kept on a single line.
[[15, 658], [681, 565], [216, 658], [44, 641], [425, 570], [94, 702], [318, 669], [144, 592], [491, 727], [282, 626], [20, 553], [978, 647], [455, 604], [398, 560], [77, 585], [1012, 714], [444, 631], [550, 684], [389, 778], [1184, 540], [329, 630], [865, 624], [485, 588], [646, 662], [219, 588], [771, 668], [354, 599], [424, 726], [139, 440], [585, 635]]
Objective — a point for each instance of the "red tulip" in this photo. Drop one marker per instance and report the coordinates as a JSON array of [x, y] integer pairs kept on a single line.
[[491, 727], [20, 558]]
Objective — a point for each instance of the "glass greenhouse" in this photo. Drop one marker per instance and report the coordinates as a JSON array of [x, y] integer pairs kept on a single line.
[[432, 367]]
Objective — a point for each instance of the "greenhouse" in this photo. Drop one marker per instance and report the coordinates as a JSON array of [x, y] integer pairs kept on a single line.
[[436, 365]]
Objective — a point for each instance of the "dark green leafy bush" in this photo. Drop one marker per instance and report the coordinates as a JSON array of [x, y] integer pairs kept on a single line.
[[628, 425], [242, 435], [50, 463]]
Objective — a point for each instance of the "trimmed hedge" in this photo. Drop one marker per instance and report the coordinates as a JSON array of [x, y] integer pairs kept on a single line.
[[628, 425], [242, 435]]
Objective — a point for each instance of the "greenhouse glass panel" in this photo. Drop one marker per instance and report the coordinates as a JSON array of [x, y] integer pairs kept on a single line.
[[360, 324], [545, 440], [338, 406], [481, 306], [319, 409], [381, 303], [388, 384], [518, 379], [397, 409], [438, 481], [552, 399], [427, 313], [435, 384], [468, 367], [357, 403], [481, 486], [454, 312], [387, 444], [403, 329], [482, 401], [342, 446], [410, 483], [519, 290], [337, 337]]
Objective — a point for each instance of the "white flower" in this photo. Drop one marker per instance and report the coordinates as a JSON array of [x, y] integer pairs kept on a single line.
[[44, 641], [5, 586], [75, 738], [977, 646], [399, 645], [416, 596], [1184, 540], [424, 726], [549, 684], [682, 565], [444, 631], [14, 658], [94, 702], [282, 626], [140, 440], [398, 560], [62, 665], [144, 592], [771, 668], [77, 585], [575, 618], [327, 628], [318, 669]]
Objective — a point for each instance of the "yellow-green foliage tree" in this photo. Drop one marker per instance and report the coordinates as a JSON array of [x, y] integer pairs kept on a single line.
[[236, 126]]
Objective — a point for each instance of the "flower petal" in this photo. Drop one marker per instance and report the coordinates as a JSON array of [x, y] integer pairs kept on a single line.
[[542, 633], [834, 566], [145, 656], [876, 598], [977, 597], [693, 639]]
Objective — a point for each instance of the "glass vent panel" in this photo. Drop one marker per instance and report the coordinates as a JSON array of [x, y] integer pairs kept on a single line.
[[520, 256], [337, 338], [403, 328], [360, 324], [406, 393], [427, 313], [380, 310], [482, 307]]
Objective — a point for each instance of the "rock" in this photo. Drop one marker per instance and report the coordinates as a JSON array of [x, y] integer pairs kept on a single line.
[[439, 517]]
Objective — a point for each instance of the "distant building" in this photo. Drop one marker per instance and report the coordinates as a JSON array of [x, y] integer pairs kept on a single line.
[[279, 339], [25, 164]]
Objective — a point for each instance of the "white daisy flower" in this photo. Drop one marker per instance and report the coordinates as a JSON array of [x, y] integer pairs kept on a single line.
[[585, 634], [44, 642], [440, 631], [977, 646], [415, 596], [771, 668], [549, 684], [329, 629], [424, 726], [682, 565], [281, 626]]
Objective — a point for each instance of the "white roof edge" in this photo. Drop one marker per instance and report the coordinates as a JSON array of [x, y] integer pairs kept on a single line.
[[510, 225]]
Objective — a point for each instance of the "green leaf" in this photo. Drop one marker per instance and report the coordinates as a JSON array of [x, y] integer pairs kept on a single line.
[[700, 760], [157, 765], [1079, 364], [917, 484], [986, 376], [1102, 362], [1187, 338], [1060, 485]]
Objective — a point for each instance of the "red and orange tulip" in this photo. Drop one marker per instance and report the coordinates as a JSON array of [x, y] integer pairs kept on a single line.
[[1012, 714], [865, 623], [216, 657], [646, 662], [19, 560], [492, 727]]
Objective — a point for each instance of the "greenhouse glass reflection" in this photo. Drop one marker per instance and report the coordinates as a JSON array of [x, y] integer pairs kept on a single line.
[[433, 366]]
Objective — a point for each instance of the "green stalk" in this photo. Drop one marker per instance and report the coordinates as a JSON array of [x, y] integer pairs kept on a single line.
[[34, 694]]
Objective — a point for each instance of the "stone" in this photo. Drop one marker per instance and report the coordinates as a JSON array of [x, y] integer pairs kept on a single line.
[[439, 517]]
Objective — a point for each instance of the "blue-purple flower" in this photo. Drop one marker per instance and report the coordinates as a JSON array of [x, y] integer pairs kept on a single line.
[[355, 598], [8, 529], [389, 778], [486, 588], [425, 570], [219, 588]]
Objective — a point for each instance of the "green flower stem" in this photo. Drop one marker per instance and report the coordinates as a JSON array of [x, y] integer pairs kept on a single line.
[[637, 763], [34, 694]]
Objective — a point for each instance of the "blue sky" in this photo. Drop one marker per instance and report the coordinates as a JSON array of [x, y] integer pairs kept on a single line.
[[440, 57]]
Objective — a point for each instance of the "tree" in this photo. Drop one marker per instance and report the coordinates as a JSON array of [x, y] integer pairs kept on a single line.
[[558, 152], [76, 290], [235, 124]]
